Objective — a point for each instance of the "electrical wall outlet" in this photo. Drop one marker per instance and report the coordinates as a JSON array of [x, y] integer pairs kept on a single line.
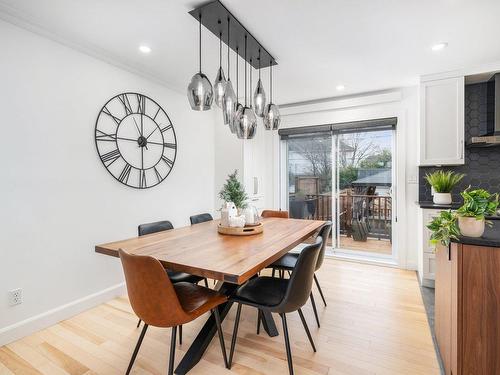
[[15, 297]]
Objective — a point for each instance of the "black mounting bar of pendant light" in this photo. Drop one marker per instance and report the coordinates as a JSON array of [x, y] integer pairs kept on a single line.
[[216, 18]]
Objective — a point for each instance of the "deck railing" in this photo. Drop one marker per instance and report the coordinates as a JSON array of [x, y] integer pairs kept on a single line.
[[372, 212]]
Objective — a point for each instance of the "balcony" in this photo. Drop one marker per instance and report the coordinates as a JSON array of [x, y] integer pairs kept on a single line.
[[364, 219]]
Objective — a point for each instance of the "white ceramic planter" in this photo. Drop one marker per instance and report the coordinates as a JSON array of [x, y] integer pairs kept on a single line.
[[470, 227], [442, 198]]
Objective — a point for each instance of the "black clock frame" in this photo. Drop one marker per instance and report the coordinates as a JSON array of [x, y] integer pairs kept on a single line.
[[160, 108]]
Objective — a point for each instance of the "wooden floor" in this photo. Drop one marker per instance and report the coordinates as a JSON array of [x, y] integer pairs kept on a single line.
[[375, 323], [371, 245]]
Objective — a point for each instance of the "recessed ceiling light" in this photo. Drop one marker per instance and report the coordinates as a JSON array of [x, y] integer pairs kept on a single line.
[[439, 46], [340, 87], [145, 49]]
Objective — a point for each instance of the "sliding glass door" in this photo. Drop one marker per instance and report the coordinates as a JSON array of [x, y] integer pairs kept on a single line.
[[347, 177]]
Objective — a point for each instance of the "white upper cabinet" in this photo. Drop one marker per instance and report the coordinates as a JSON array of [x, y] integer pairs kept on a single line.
[[442, 121]]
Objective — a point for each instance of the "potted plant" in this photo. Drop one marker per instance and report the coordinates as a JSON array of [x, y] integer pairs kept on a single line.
[[471, 216], [444, 228], [234, 191], [442, 182]]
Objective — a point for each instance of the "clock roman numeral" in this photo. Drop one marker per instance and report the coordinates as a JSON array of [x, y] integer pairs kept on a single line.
[[110, 157], [115, 119], [167, 161], [126, 104], [141, 104], [156, 114], [142, 179], [158, 175], [125, 173], [170, 145], [164, 129], [105, 137]]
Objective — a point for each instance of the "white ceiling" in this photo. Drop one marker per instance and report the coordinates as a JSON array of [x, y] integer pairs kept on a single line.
[[366, 45]]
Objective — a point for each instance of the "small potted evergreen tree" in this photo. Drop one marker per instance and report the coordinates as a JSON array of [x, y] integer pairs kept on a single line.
[[234, 191]]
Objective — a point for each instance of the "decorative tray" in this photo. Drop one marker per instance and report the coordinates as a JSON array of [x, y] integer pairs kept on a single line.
[[245, 231]]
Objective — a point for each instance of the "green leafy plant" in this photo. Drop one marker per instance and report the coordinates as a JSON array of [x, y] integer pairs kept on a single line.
[[444, 228], [443, 181], [478, 203], [233, 191]]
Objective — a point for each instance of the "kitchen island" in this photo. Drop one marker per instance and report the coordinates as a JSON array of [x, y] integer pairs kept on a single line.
[[467, 305]]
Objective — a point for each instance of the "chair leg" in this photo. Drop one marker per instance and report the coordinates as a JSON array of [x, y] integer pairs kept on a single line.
[[180, 335], [304, 323], [274, 272], [136, 350], [172, 351], [235, 333], [314, 309], [319, 288], [139, 323], [221, 335], [258, 321], [287, 344], [206, 282]]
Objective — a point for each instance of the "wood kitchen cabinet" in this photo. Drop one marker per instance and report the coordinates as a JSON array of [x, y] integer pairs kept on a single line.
[[442, 107], [467, 310]]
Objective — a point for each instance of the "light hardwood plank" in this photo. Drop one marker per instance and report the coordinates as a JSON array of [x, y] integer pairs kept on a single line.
[[375, 323]]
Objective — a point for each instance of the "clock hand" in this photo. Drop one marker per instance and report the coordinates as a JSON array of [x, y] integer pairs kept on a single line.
[[142, 157], [150, 134], [137, 126]]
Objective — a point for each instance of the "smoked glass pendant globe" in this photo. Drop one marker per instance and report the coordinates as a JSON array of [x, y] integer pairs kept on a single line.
[[259, 99], [219, 87], [228, 103], [246, 123], [200, 93], [272, 117]]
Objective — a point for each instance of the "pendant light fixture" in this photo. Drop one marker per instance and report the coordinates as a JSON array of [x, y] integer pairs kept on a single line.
[[246, 121], [220, 79], [199, 91], [272, 117], [259, 97], [239, 107], [229, 99]]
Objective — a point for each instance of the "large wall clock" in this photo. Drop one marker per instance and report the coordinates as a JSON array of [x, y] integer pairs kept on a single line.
[[135, 140]]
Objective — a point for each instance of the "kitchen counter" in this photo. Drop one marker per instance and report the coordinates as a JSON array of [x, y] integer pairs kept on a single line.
[[434, 206], [490, 238]]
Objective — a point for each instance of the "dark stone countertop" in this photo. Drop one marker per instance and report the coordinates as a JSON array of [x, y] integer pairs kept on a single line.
[[490, 238], [434, 206]]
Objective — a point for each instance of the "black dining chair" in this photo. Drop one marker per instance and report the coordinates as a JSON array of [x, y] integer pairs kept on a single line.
[[175, 277], [280, 296], [288, 261], [201, 218]]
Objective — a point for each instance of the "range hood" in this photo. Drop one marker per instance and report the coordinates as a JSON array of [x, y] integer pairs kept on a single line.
[[491, 136]]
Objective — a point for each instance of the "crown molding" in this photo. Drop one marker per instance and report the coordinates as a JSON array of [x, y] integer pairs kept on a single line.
[[20, 19]]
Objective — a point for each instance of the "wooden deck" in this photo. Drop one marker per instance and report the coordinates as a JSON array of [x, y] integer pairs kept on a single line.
[[371, 245], [375, 323]]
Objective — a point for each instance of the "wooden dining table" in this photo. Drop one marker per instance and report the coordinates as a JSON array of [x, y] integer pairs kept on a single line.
[[232, 260]]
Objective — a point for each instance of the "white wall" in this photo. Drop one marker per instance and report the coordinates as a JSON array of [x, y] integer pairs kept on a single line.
[[58, 200], [402, 103]]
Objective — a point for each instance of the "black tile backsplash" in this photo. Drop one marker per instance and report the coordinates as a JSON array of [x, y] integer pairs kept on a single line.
[[482, 165]]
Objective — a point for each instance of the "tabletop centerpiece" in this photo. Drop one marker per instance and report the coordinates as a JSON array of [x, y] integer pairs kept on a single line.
[[237, 217]]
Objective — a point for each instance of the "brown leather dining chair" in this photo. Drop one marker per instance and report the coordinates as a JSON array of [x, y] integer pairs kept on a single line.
[[274, 213], [160, 303]]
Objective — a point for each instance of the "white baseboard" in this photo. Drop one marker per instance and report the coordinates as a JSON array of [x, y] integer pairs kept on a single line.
[[36, 323]]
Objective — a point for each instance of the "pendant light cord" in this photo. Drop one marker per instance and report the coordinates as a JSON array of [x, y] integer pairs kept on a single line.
[[200, 41], [259, 64], [246, 63], [220, 50], [237, 76], [228, 42], [271, 83], [250, 88]]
